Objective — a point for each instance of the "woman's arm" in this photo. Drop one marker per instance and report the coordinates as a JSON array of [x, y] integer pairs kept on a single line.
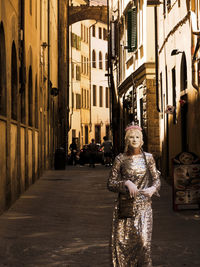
[[155, 174], [155, 178], [114, 183]]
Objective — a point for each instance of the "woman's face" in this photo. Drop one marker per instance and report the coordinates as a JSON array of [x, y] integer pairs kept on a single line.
[[134, 139]]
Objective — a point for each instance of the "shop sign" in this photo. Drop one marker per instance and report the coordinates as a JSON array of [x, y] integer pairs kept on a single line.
[[186, 181]]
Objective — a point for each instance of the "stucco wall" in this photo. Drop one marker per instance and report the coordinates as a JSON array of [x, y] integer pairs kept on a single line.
[[2, 164]]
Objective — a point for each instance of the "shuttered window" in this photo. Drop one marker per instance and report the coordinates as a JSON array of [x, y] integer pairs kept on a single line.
[[132, 29], [78, 101]]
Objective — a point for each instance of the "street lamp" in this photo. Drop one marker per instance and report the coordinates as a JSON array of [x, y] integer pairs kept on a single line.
[[176, 52]]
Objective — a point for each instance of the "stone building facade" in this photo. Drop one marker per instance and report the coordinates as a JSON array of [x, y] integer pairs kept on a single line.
[[28, 89]]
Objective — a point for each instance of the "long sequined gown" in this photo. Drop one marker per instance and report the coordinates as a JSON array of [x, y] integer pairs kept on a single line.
[[131, 237]]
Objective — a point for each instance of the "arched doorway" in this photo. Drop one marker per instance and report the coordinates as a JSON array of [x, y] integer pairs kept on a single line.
[[30, 97], [14, 83], [3, 98], [184, 100], [36, 103]]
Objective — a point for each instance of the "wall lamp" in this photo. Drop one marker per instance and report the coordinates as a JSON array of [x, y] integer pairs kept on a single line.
[[44, 44], [176, 52]]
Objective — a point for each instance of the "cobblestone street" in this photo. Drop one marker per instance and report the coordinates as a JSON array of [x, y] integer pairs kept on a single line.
[[64, 219]]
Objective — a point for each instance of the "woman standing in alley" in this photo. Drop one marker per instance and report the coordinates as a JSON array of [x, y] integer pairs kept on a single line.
[[135, 178]]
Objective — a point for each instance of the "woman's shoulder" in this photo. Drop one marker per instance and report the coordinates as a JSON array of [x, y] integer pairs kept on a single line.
[[119, 157]]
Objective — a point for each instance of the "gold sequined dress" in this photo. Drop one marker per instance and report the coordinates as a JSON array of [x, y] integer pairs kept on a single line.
[[131, 237]]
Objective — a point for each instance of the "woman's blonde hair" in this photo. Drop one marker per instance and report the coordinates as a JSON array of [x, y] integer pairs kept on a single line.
[[128, 134]]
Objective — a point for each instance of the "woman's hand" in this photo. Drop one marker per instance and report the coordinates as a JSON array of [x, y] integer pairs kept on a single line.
[[132, 188], [148, 192]]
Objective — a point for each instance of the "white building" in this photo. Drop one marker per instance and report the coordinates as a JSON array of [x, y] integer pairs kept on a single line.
[[178, 50], [100, 95]]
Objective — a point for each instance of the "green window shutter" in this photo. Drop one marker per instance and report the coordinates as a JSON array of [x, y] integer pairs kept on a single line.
[[132, 29]]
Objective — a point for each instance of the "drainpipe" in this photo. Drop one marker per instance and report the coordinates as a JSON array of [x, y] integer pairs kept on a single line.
[[48, 52], [72, 112]]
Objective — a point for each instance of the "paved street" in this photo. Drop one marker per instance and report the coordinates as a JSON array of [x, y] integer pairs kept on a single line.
[[64, 219]]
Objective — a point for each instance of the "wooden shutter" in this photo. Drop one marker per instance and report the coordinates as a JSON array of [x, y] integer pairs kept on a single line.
[[132, 29]]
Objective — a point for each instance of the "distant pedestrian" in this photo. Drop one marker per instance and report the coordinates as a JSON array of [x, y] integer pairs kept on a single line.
[[108, 147], [92, 147], [73, 149]]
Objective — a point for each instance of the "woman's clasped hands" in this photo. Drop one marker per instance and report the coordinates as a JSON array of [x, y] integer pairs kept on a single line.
[[133, 190]]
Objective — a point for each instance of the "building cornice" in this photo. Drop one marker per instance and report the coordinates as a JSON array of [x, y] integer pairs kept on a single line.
[[137, 75]]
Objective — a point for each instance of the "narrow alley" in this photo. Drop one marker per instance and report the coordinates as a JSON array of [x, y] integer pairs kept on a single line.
[[64, 219]]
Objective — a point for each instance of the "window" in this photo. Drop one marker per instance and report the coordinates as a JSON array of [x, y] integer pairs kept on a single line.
[[183, 73], [100, 61], [100, 33], [30, 97], [93, 59], [85, 67], [106, 61], [2, 72], [82, 97], [14, 83], [94, 95], [81, 31], [73, 133], [85, 99], [78, 43], [36, 103], [164, 7], [84, 37], [88, 99], [97, 134], [78, 101], [104, 34], [36, 14], [132, 29], [161, 93], [93, 31], [107, 97], [72, 100], [86, 134], [101, 96], [82, 64], [72, 70], [30, 7], [74, 40], [174, 93], [78, 73]]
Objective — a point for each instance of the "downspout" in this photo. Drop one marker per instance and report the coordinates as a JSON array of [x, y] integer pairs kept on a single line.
[[70, 123], [156, 57], [48, 53], [66, 94], [109, 60]]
